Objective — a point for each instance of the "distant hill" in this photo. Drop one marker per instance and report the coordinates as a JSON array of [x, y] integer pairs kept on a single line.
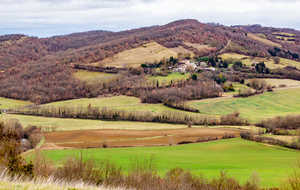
[[32, 67]]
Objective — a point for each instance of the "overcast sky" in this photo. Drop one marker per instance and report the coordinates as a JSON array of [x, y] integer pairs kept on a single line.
[[44, 18]]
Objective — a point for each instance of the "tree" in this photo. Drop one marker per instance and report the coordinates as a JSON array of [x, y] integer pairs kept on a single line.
[[194, 76], [276, 60]]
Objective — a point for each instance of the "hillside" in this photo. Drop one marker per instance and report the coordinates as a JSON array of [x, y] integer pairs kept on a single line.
[[41, 69]]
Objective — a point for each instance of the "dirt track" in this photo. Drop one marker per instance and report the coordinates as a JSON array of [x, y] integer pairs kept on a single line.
[[124, 138]]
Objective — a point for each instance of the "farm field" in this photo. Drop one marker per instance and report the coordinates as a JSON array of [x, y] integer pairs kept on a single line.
[[267, 105], [255, 37], [197, 46], [125, 138], [171, 77], [64, 124], [135, 57], [91, 77], [6, 103], [269, 63], [98, 102], [288, 138], [277, 82], [181, 49], [117, 102], [240, 158]]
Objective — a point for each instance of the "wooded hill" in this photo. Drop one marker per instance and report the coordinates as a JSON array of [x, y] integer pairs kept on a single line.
[[40, 69]]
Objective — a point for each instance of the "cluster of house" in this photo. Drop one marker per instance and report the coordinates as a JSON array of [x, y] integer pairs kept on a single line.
[[186, 65]]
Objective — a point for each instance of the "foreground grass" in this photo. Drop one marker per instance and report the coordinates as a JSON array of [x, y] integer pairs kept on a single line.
[[46, 186], [267, 105], [240, 158], [6, 103]]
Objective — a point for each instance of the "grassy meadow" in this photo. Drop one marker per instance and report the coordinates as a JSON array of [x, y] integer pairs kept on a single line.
[[115, 101], [267, 105], [65, 124], [255, 37], [171, 77], [240, 158], [268, 62], [6, 103], [135, 57], [277, 82], [91, 77]]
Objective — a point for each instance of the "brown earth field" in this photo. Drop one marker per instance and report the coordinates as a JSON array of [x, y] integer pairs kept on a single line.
[[128, 138]]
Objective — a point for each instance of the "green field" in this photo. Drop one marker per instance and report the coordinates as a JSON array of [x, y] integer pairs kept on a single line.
[[6, 103], [117, 102], [91, 77], [267, 105], [171, 77], [240, 158]]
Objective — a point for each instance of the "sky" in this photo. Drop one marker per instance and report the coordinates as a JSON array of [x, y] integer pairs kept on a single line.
[[45, 18]]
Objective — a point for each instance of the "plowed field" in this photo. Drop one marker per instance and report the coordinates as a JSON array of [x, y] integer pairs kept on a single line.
[[127, 138]]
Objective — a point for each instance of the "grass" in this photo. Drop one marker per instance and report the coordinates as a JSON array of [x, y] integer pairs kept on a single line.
[[268, 62], [277, 82], [6, 103], [197, 46], [117, 102], [254, 108], [171, 77], [181, 49], [240, 158], [98, 102], [135, 57], [90, 77], [64, 124], [253, 36], [286, 62]]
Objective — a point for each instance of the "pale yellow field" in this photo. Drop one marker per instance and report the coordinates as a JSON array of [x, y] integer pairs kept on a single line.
[[181, 49], [65, 124], [261, 35], [197, 46], [268, 62], [284, 33], [283, 137], [253, 36], [91, 77], [277, 82], [135, 57]]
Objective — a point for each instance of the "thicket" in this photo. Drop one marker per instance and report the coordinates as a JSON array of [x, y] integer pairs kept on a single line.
[[291, 121], [13, 143], [234, 119]]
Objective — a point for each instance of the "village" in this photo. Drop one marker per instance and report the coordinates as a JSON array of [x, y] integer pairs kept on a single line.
[[185, 66]]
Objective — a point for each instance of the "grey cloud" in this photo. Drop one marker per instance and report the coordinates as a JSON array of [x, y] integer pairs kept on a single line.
[[54, 17]]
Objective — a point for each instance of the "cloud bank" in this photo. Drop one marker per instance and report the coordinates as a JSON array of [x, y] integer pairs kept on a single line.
[[44, 18]]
